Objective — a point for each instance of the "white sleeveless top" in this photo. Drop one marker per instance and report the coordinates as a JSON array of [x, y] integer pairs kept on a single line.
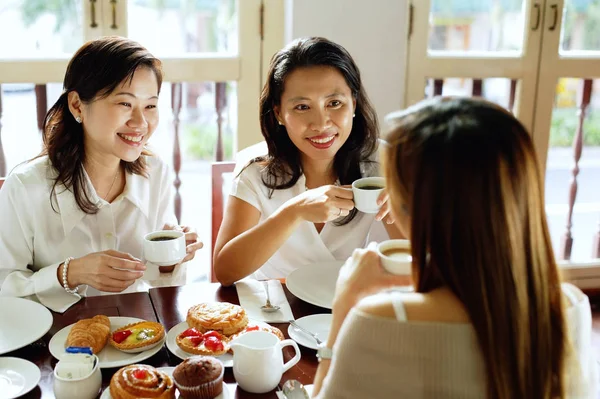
[[376, 357]]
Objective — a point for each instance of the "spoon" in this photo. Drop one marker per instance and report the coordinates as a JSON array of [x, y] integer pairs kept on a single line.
[[267, 307], [293, 389]]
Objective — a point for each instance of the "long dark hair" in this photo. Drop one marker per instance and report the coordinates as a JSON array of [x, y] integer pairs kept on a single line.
[[282, 164], [467, 172], [95, 70]]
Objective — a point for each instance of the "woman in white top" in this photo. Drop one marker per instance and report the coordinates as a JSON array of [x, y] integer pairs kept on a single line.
[[489, 317], [73, 219], [293, 206]]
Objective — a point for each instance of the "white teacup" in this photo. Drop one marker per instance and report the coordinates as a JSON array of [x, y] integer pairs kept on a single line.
[[366, 191], [84, 387], [395, 256], [164, 247], [258, 360]]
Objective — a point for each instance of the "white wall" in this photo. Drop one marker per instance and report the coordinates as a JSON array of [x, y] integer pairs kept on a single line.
[[374, 32]]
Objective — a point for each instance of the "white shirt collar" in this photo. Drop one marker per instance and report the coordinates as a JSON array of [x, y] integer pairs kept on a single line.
[[137, 191]]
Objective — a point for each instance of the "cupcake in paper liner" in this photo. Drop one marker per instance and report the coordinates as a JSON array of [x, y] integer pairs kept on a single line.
[[199, 377]]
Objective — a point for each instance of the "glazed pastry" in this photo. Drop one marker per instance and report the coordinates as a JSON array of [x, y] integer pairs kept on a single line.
[[223, 317], [141, 381], [263, 327], [92, 333], [210, 343], [137, 335], [199, 377]]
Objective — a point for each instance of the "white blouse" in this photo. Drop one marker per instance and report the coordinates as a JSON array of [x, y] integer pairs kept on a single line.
[[305, 245], [35, 239]]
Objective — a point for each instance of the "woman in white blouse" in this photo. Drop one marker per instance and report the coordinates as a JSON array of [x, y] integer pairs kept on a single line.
[[489, 317], [293, 206], [73, 218]]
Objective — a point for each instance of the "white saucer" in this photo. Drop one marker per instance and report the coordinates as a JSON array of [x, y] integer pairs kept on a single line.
[[109, 356], [226, 359], [22, 321], [17, 377], [319, 324], [226, 394]]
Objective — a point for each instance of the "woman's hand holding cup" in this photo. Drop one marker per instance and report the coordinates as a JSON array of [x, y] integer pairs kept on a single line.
[[324, 204], [109, 271]]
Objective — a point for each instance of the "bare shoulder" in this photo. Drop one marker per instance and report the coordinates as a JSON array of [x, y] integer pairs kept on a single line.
[[440, 305]]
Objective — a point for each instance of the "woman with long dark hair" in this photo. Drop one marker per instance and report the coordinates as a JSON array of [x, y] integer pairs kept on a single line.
[[73, 218], [489, 317], [293, 206]]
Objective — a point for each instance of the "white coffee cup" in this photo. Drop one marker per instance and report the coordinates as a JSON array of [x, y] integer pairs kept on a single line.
[[365, 199], [164, 247], [395, 256], [258, 360]]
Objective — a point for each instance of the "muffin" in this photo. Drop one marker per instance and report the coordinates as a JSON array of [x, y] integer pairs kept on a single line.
[[199, 377]]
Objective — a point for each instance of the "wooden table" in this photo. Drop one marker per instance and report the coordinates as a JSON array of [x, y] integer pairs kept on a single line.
[[167, 305]]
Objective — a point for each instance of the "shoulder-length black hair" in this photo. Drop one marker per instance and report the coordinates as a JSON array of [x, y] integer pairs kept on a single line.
[[94, 72], [282, 164]]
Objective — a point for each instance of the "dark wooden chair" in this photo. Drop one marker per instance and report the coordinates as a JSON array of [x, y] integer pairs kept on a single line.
[[218, 203]]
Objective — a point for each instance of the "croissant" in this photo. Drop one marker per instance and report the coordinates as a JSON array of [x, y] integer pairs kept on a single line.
[[140, 381], [92, 332]]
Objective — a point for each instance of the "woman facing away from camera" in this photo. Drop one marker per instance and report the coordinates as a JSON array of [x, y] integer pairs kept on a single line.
[[74, 218], [294, 206], [489, 317]]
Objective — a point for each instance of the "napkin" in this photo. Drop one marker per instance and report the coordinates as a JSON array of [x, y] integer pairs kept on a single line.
[[252, 296], [308, 388]]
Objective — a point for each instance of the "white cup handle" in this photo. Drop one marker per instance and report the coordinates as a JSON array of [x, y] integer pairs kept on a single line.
[[292, 362]]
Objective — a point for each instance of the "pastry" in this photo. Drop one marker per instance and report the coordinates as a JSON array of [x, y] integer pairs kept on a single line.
[[141, 381], [91, 333], [199, 377], [223, 317], [210, 343], [263, 327], [137, 335]]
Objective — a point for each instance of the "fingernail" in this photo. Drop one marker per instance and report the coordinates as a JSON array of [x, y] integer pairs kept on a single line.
[[379, 202]]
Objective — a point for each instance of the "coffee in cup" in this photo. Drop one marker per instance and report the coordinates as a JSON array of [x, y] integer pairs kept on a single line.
[[366, 191], [165, 248], [396, 256]]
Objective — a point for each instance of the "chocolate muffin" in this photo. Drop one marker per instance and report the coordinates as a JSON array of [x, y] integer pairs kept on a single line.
[[199, 377]]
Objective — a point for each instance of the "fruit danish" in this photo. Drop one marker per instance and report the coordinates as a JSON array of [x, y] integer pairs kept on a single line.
[[141, 381], [137, 335], [92, 333], [263, 327], [211, 343], [223, 317]]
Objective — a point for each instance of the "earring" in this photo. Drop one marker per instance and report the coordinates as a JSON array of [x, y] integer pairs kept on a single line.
[[280, 123], [78, 119], [353, 115]]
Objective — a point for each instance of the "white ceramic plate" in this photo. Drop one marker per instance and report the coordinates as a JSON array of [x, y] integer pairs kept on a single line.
[[109, 356], [315, 283], [226, 359], [22, 321], [226, 394], [17, 377], [319, 324]]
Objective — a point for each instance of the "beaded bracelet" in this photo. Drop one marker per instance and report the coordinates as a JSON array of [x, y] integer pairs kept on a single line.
[[64, 277]]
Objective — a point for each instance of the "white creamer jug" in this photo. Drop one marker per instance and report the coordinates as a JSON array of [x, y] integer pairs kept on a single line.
[[258, 360]]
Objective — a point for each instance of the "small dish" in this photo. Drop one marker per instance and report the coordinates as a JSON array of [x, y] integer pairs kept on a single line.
[[109, 357], [319, 324], [17, 377]]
